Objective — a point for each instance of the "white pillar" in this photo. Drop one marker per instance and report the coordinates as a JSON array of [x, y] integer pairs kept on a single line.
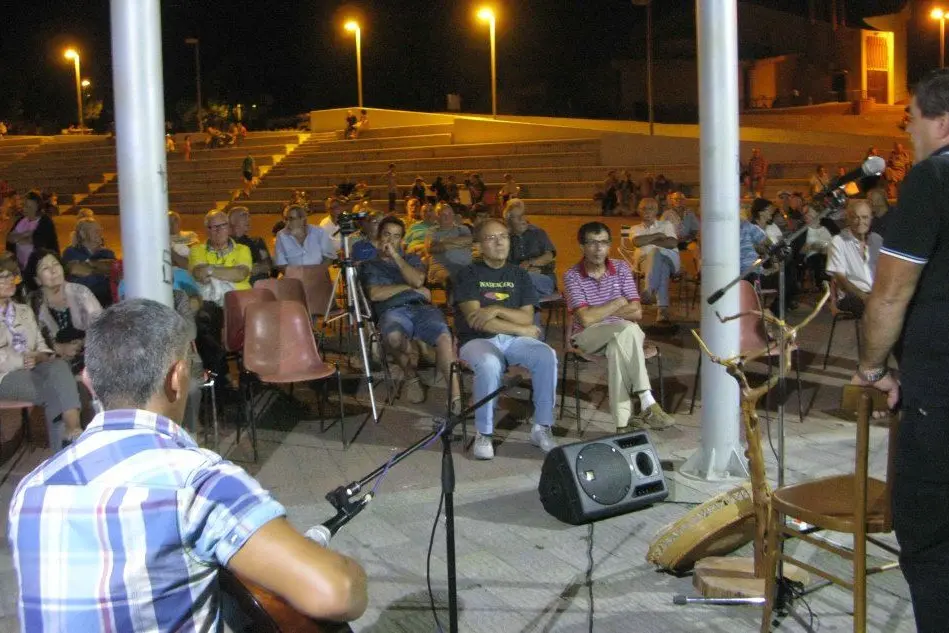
[[140, 148], [719, 456]]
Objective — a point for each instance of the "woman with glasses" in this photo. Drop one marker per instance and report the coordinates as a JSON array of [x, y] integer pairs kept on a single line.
[[301, 244], [29, 371]]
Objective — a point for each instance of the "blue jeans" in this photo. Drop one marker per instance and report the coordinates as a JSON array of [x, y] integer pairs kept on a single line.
[[419, 321], [489, 357], [658, 266]]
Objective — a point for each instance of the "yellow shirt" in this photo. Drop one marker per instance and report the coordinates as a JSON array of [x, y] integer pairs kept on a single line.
[[234, 255]]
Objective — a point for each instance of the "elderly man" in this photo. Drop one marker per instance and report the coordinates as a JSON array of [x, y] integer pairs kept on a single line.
[[220, 264], [656, 256], [143, 519], [449, 246], [531, 249], [906, 313], [601, 293], [683, 218], [417, 232], [395, 285], [180, 241], [496, 328], [852, 258], [239, 218]]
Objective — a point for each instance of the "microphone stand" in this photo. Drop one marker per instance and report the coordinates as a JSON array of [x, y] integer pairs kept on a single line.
[[342, 496]]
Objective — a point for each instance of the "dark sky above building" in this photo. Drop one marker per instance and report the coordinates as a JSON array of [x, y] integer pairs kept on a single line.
[[295, 56]]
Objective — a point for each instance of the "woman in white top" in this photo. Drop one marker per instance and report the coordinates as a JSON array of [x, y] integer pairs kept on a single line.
[[812, 255], [301, 244]]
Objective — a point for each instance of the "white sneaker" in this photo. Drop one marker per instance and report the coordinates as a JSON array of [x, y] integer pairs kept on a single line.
[[542, 437], [483, 447]]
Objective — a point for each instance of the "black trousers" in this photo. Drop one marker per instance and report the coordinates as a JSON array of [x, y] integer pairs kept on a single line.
[[210, 325], [921, 513]]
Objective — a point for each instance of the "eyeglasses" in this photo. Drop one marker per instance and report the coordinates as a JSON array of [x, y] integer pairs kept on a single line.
[[598, 243], [215, 227], [496, 238]]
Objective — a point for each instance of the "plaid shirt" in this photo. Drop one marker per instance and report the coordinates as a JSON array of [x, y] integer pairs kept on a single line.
[[125, 530]]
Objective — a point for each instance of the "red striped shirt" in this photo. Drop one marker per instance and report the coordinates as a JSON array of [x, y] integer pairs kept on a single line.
[[584, 291]]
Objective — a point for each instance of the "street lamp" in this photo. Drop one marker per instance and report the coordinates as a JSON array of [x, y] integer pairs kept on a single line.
[[197, 78], [486, 14], [939, 14], [74, 56], [353, 27]]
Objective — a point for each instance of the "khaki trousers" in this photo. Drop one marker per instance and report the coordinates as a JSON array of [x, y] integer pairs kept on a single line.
[[622, 343]]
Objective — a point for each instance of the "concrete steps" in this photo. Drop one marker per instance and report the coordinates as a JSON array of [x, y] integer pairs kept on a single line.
[[402, 130], [543, 206]]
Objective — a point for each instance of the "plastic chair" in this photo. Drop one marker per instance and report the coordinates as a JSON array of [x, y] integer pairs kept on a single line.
[[317, 286], [24, 407], [116, 272], [574, 356], [752, 336], [839, 315], [284, 289], [235, 308], [279, 349], [855, 504]]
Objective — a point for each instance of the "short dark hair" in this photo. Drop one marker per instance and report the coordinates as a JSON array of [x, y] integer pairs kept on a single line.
[[932, 93], [759, 205], [129, 349], [390, 219], [38, 254], [592, 227]]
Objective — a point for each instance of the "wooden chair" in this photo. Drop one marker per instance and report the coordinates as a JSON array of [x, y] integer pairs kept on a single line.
[[574, 356], [839, 315], [855, 504], [279, 348], [754, 336]]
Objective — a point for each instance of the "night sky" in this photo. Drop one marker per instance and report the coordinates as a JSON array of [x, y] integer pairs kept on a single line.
[[292, 56]]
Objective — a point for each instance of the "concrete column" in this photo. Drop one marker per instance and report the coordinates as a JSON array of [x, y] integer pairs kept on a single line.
[[719, 456], [140, 148]]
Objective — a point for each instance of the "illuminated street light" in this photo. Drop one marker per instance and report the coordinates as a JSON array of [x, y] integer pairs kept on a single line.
[[939, 14], [74, 56], [86, 83], [486, 14], [353, 27]]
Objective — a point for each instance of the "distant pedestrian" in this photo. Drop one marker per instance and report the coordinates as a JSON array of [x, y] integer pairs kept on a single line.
[[248, 169], [393, 187], [187, 147]]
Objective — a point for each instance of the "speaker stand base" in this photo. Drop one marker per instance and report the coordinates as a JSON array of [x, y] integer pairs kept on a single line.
[[734, 577]]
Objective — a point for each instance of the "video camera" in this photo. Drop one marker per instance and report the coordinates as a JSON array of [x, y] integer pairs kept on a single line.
[[347, 220]]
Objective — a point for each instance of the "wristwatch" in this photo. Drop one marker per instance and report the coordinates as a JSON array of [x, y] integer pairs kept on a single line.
[[873, 375]]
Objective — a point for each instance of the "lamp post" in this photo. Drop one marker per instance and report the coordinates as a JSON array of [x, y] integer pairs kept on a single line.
[[940, 15], [649, 99], [74, 56], [86, 84], [197, 78], [353, 27], [486, 14]]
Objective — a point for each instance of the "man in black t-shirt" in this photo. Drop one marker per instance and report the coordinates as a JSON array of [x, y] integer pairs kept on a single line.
[[239, 219], [909, 308], [496, 328]]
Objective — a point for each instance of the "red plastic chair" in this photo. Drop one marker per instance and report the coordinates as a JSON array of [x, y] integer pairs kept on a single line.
[[279, 349], [753, 336], [284, 289], [235, 307], [317, 286], [116, 272]]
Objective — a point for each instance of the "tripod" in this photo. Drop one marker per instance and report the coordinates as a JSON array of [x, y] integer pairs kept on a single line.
[[356, 308]]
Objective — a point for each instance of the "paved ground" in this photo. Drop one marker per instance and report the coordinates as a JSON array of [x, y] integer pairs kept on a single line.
[[520, 570]]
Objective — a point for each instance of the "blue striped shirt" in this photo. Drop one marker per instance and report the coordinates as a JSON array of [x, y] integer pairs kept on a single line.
[[126, 529]]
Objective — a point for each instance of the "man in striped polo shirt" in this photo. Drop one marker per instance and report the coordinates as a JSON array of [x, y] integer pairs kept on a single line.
[[602, 295]]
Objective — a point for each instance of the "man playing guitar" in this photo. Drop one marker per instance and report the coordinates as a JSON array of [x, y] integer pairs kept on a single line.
[[129, 528]]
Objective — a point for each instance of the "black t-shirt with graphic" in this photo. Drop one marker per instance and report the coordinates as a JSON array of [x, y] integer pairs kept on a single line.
[[509, 287]]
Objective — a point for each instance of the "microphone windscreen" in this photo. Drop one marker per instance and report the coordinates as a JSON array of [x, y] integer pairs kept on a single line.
[[874, 166]]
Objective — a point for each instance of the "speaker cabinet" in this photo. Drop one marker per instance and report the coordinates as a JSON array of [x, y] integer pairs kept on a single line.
[[589, 481]]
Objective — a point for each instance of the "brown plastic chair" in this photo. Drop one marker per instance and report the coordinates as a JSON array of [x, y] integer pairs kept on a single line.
[[235, 307], [24, 407], [317, 286], [854, 504], [839, 315], [574, 356], [284, 289], [279, 349], [752, 336]]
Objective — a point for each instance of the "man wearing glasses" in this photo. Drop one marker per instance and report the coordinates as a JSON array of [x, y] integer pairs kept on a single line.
[[220, 258], [496, 328], [602, 295]]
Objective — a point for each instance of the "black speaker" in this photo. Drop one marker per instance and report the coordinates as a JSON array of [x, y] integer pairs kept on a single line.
[[589, 481]]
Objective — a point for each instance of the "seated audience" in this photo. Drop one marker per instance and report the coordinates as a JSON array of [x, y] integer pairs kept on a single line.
[[149, 512], [897, 165], [509, 189], [880, 206], [181, 241], [329, 223], [531, 249], [656, 256], [239, 220], [449, 246], [30, 371], [495, 325], [853, 258], [753, 242], [818, 181], [684, 220], [31, 228], [63, 309], [417, 232], [418, 190], [477, 188], [302, 244], [88, 261], [365, 244], [601, 293], [402, 304], [440, 189], [812, 255], [351, 121]]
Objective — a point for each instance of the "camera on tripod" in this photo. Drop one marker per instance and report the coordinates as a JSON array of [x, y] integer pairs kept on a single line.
[[347, 219]]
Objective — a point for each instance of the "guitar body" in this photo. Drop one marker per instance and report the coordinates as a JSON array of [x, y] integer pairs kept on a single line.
[[251, 608]]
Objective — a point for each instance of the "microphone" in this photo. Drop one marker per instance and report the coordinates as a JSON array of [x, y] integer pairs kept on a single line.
[[873, 166], [322, 533]]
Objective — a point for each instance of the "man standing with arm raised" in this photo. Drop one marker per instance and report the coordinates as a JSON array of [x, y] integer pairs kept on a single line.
[[906, 313], [496, 328]]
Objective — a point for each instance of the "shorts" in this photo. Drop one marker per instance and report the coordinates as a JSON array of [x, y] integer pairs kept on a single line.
[[419, 321], [248, 176]]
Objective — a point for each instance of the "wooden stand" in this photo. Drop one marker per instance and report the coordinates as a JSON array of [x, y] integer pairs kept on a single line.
[[734, 577]]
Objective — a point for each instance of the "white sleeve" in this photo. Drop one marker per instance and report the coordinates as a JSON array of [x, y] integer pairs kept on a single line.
[[669, 229], [835, 256], [280, 255]]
